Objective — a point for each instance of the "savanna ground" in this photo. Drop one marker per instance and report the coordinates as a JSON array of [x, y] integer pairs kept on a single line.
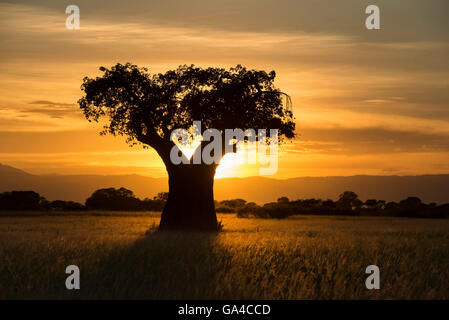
[[304, 257]]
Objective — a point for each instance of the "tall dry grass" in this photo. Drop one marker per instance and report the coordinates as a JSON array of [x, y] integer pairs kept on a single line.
[[299, 258]]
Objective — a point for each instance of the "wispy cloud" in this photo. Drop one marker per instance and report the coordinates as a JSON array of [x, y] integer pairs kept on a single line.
[[51, 103], [52, 109], [40, 22]]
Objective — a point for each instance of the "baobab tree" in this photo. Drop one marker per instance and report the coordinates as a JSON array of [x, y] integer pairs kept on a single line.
[[146, 108]]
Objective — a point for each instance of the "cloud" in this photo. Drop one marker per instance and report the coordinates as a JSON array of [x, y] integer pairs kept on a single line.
[[399, 163], [51, 103], [400, 22], [52, 109], [42, 119], [370, 140], [45, 26]]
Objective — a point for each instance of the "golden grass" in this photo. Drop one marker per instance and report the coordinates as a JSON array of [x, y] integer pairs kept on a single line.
[[299, 258]]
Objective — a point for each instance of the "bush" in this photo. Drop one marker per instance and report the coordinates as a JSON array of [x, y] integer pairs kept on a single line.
[[60, 205], [157, 204], [270, 210], [229, 206], [21, 200], [279, 210], [113, 199], [247, 210], [224, 210], [124, 200]]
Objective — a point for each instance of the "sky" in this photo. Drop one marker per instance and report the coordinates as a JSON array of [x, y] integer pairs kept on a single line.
[[372, 102]]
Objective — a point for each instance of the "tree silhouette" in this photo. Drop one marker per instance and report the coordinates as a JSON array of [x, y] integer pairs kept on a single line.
[[348, 200], [21, 200], [113, 199], [146, 108]]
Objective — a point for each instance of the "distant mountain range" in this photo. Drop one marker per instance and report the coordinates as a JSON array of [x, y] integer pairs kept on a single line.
[[430, 188]]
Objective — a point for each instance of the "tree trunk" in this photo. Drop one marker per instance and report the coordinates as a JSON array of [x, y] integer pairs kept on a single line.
[[190, 204]]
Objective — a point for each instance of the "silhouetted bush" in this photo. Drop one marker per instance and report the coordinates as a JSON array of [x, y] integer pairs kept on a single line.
[[229, 206], [157, 204], [21, 200], [440, 211], [283, 200], [124, 200], [113, 199], [161, 196], [60, 205], [272, 210], [221, 209], [410, 207], [247, 210], [278, 210], [32, 201]]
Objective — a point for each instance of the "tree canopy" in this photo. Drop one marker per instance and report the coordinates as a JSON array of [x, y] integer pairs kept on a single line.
[[147, 107]]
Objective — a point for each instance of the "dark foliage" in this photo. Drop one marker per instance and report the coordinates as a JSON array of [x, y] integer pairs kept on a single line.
[[348, 204], [32, 201], [103, 199], [21, 200], [146, 107], [60, 205], [229, 206], [113, 199], [124, 200]]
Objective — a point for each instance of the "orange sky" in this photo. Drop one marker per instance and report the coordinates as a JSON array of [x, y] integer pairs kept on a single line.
[[366, 102]]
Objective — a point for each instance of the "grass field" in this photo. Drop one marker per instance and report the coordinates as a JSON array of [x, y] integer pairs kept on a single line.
[[303, 257]]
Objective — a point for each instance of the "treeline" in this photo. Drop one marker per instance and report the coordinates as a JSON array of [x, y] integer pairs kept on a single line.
[[33, 201], [123, 199], [120, 199], [348, 204]]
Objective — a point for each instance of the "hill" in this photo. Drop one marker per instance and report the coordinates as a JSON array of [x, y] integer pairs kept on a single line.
[[430, 188]]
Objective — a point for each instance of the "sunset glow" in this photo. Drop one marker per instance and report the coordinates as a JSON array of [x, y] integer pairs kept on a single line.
[[364, 103]]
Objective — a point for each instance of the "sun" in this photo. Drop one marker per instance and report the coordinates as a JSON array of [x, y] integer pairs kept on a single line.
[[229, 166]]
